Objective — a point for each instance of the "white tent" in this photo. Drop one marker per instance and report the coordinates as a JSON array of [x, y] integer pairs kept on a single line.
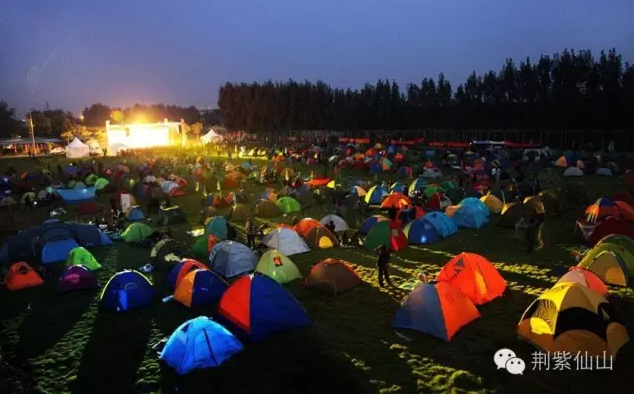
[[211, 136], [77, 149], [573, 171], [286, 241]]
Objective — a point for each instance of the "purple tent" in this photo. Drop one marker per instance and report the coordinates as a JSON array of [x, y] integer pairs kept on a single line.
[[77, 277]]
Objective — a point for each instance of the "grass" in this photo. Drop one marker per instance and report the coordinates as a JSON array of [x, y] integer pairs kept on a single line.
[[66, 345]]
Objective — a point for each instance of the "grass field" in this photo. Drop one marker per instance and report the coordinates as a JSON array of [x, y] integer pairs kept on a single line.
[[66, 345]]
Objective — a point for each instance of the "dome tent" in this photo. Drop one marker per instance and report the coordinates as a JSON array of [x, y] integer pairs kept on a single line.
[[333, 277], [230, 259], [126, 290], [286, 240], [199, 343], [278, 267], [200, 287]]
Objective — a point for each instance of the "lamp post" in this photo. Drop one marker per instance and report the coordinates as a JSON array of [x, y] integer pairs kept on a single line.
[[32, 132]]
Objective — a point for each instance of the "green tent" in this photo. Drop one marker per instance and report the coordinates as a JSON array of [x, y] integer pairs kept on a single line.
[[449, 185], [384, 234], [288, 204], [623, 241], [71, 184], [136, 232], [620, 251], [81, 256], [217, 226], [455, 194], [431, 190], [90, 179], [199, 248], [277, 266], [101, 183]]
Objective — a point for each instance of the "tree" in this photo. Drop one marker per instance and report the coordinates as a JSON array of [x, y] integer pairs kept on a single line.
[[96, 115], [9, 125]]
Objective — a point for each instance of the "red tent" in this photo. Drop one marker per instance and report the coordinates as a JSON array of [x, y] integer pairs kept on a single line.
[[608, 226]]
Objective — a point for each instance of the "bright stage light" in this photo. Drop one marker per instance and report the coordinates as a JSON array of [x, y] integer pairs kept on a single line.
[[138, 135]]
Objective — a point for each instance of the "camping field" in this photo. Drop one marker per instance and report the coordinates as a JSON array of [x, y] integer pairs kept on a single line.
[[65, 345]]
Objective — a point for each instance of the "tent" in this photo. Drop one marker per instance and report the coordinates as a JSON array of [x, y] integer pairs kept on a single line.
[[81, 256], [493, 204], [126, 290], [604, 172], [88, 207], [608, 266], [197, 344], [124, 201], [417, 184], [609, 226], [54, 251], [340, 224], [182, 268], [28, 244], [166, 253], [386, 233], [572, 318], [370, 222], [396, 201], [288, 205], [231, 259], [437, 202], [258, 307], [474, 276], [420, 232], [266, 209], [305, 225], [20, 276], [573, 171], [101, 183], [442, 223], [134, 214], [77, 149], [200, 287], [171, 216], [136, 232], [623, 241], [624, 197], [375, 195], [210, 137], [76, 196], [332, 277], [601, 209], [432, 173], [77, 277], [470, 216], [217, 227], [278, 267], [585, 278], [437, 309], [320, 238], [286, 241]]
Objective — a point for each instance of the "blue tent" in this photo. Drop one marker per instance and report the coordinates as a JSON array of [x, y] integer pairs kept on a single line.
[[476, 203], [376, 195], [199, 343], [398, 187], [257, 307], [403, 171], [200, 287], [126, 290], [370, 222], [470, 216], [421, 231], [442, 223], [28, 244], [417, 184], [229, 259], [76, 196], [56, 251], [135, 214]]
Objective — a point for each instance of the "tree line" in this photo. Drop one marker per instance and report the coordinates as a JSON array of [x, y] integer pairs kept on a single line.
[[569, 90], [60, 123]]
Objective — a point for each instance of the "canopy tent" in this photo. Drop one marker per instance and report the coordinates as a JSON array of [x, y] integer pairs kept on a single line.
[[77, 149], [210, 137]]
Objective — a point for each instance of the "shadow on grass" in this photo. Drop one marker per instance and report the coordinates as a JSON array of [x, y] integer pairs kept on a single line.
[[49, 320], [114, 352]]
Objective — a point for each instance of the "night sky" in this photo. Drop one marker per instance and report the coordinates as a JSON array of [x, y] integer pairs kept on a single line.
[[74, 53]]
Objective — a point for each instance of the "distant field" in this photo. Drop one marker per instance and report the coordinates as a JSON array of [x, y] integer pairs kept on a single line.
[[66, 345]]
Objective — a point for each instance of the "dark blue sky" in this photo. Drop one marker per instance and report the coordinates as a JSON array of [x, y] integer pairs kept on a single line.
[[74, 53]]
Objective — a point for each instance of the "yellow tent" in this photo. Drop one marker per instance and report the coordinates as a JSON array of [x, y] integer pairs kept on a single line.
[[493, 204]]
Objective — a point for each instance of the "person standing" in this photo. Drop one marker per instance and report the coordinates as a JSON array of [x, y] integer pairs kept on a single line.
[[382, 264], [250, 230]]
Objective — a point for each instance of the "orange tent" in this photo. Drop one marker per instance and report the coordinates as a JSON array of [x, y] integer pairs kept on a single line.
[[318, 182], [180, 270], [21, 276], [305, 225], [474, 276], [396, 200]]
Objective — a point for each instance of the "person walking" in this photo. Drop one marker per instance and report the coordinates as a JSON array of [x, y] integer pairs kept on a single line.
[[382, 264]]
